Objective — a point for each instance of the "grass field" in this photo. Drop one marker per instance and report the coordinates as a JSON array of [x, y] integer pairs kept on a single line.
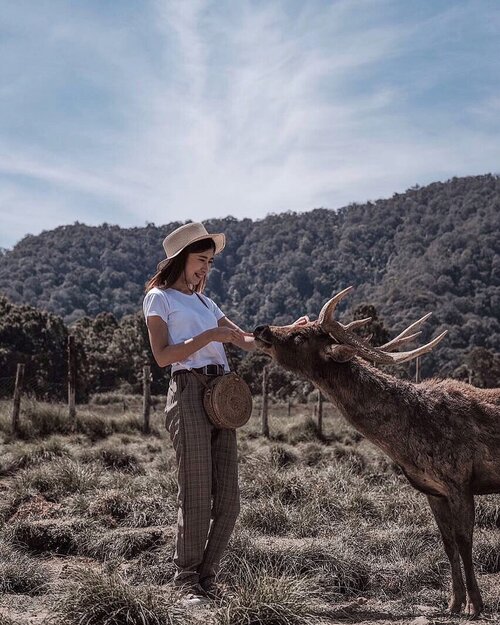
[[329, 531]]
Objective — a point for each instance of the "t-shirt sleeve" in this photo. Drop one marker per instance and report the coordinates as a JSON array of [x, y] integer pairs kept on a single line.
[[214, 308], [156, 304]]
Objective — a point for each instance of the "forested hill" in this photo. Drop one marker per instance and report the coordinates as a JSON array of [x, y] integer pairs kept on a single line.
[[434, 248]]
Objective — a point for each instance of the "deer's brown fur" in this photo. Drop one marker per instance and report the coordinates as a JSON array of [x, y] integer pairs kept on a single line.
[[444, 434]]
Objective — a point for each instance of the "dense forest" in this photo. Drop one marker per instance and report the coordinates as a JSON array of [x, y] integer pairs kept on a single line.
[[433, 248]]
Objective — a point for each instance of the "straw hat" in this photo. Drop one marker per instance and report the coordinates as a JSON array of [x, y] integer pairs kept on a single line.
[[176, 241]]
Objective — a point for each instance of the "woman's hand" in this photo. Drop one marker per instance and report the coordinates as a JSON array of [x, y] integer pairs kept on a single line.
[[301, 321], [223, 334]]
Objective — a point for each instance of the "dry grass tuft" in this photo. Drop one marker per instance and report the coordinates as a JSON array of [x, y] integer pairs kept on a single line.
[[47, 535], [487, 551], [283, 456], [93, 598], [6, 620], [113, 457], [21, 456], [332, 568], [21, 574], [56, 480], [304, 430], [488, 511], [120, 543], [267, 597], [153, 567]]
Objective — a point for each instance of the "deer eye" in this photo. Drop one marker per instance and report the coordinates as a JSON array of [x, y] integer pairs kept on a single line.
[[298, 340]]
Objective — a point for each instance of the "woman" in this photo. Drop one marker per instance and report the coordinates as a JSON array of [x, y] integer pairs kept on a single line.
[[187, 330]]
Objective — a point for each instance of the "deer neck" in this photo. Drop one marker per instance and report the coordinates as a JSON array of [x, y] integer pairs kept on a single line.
[[376, 404]]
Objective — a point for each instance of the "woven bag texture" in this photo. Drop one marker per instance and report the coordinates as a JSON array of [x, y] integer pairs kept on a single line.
[[228, 401]]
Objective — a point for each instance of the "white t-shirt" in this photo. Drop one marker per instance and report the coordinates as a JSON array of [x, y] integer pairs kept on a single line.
[[186, 316]]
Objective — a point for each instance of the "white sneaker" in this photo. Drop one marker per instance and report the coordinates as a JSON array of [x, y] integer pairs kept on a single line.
[[195, 598]]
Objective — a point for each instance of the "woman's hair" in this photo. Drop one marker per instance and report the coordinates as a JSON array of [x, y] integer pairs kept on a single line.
[[168, 275]]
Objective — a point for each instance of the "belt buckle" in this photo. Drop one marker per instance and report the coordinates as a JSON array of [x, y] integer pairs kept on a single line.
[[213, 369]]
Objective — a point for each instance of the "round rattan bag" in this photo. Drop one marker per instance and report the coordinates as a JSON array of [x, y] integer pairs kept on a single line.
[[228, 401]]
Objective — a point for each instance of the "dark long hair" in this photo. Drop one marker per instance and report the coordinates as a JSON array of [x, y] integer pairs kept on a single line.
[[168, 275]]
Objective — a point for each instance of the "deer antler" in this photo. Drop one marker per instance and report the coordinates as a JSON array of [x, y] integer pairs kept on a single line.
[[332, 304], [343, 335], [404, 336], [357, 323]]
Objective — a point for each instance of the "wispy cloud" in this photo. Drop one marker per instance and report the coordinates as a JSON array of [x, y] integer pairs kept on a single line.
[[190, 109]]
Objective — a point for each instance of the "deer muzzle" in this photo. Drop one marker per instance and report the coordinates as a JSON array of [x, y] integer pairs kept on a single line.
[[264, 334]]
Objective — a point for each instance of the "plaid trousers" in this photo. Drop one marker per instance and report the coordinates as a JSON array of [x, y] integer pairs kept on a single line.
[[207, 476]]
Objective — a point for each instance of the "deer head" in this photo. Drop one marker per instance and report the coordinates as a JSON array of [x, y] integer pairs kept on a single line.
[[301, 347]]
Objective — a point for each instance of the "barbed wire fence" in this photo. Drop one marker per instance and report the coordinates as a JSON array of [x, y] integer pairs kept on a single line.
[[33, 386]]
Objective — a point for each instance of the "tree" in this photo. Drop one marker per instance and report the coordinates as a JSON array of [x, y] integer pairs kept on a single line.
[[38, 339]]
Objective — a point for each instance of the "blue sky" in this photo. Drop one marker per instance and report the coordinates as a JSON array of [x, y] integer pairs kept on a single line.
[[129, 111]]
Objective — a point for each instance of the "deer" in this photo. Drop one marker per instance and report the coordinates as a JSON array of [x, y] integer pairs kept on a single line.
[[444, 434]]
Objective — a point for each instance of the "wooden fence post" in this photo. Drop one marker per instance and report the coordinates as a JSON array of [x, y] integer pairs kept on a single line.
[[264, 415], [71, 377], [17, 397], [417, 369], [320, 414], [146, 404]]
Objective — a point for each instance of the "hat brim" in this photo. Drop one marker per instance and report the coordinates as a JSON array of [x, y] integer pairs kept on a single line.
[[219, 240]]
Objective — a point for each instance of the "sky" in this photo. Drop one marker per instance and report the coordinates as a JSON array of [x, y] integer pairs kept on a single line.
[[136, 111]]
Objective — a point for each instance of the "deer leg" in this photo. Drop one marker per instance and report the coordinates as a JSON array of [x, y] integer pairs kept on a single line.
[[442, 513], [462, 510]]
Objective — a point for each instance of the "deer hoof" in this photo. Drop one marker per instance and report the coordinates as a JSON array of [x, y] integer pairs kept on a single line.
[[474, 608], [455, 604]]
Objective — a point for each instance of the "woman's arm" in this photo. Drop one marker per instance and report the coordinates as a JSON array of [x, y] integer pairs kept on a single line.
[[166, 354]]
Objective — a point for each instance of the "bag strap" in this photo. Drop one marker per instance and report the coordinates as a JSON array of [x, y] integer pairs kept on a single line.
[[200, 377], [202, 300]]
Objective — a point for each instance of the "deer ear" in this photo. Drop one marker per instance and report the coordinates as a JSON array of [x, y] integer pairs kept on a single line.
[[339, 353]]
